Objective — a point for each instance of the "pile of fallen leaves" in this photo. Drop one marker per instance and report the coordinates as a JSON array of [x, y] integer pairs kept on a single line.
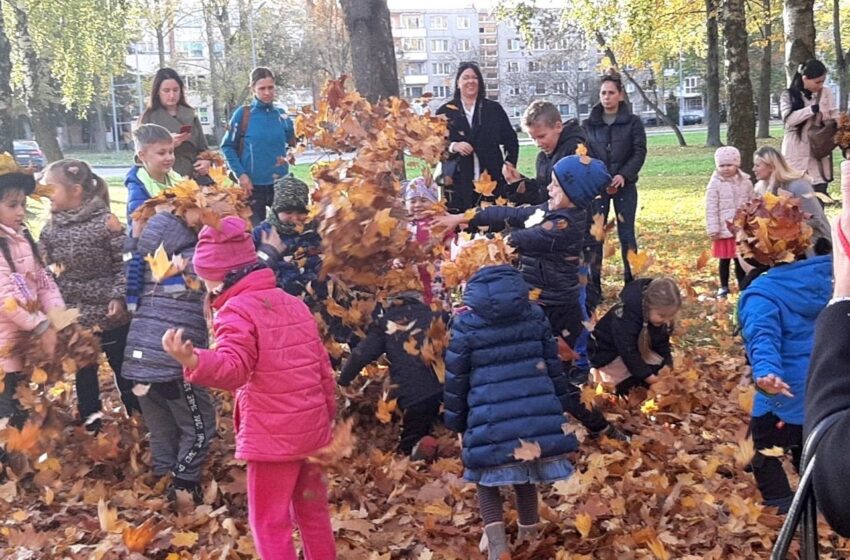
[[772, 229], [476, 253]]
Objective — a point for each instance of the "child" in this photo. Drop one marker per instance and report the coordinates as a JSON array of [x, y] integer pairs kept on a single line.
[[777, 312], [267, 350], [85, 242], [421, 200], [180, 416], [631, 343], [155, 151], [549, 240], [727, 190], [555, 138], [415, 384], [23, 281], [504, 382]]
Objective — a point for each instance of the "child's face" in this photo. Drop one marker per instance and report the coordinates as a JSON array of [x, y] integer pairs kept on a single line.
[[63, 197], [662, 316], [557, 197], [727, 170], [158, 158], [419, 207], [545, 136], [13, 209], [295, 218]]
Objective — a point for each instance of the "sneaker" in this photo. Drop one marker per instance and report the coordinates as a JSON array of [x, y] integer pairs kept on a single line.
[[722, 293], [425, 449]]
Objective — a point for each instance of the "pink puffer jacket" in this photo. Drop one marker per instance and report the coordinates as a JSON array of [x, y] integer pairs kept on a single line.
[[723, 197], [27, 294], [267, 349]]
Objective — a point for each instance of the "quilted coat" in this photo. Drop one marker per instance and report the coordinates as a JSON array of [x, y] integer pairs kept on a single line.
[[30, 286], [722, 198], [504, 380], [268, 350], [795, 147]]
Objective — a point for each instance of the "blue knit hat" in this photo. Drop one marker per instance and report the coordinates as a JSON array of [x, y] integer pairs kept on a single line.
[[582, 178]]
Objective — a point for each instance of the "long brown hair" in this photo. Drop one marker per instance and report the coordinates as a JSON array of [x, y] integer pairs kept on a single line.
[[77, 172], [161, 75], [661, 293]]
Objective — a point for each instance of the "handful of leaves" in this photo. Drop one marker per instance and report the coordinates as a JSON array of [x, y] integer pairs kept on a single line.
[[772, 229], [196, 204]]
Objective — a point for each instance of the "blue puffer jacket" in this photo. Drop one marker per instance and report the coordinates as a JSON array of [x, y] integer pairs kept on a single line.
[[777, 313], [504, 380], [266, 141], [137, 194]]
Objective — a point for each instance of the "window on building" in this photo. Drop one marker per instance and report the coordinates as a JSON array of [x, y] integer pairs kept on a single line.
[[464, 45], [630, 88], [540, 88], [564, 109], [533, 66], [583, 108], [412, 21], [488, 41], [439, 22], [410, 44], [439, 45], [538, 44], [560, 66], [204, 115], [442, 91], [414, 69], [692, 84], [513, 67], [560, 87], [513, 44], [441, 68], [413, 91], [515, 90], [583, 86], [196, 83], [192, 49], [463, 22]]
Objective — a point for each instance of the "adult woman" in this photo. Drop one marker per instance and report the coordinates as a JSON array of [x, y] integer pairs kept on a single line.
[[803, 105], [256, 143], [773, 174], [617, 137], [169, 109], [479, 129]]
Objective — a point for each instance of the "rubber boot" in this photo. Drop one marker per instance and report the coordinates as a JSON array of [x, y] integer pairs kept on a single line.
[[495, 542], [526, 534]]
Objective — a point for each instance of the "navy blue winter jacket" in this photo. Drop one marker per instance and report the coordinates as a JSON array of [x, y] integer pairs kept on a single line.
[[504, 380]]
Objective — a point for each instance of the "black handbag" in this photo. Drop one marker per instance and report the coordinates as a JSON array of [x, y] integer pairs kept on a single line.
[[447, 172]]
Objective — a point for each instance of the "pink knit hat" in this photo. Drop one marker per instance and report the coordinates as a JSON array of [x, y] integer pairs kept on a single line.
[[222, 250], [727, 155]]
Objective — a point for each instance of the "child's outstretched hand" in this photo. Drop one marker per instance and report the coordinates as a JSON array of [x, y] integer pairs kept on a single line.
[[773, 385], [181, 350], [449, 221]]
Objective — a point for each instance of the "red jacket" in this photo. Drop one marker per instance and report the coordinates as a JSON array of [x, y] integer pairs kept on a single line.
[[267, 349]]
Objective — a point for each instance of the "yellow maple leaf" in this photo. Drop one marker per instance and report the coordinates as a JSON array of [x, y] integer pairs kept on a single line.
[[649, 407], [534, 294], [584, 523], [639, 262], [485, 185], [184, 538], [385, 222], [527, 451], [159, 263], [385, 410]]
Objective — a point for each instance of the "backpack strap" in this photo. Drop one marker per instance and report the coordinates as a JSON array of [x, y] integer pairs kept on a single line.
[[243, 129]]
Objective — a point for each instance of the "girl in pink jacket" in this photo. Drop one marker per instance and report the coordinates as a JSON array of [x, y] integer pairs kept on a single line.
[[27, 291], [268, 350]]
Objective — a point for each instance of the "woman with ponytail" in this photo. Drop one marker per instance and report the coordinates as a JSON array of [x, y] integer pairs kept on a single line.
[[631, 343], [83, 244], [807, 103]]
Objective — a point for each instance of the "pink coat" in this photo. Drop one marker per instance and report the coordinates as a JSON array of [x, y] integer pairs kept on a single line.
[[27, 294], [723, 197], [795, 147], [268, 350]]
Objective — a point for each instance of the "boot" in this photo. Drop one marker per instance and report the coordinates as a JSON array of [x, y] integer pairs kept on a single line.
[[495, 542], [526, 534]]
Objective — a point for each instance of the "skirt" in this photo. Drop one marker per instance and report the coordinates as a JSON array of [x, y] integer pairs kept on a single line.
[[724, 248], [549, 469]]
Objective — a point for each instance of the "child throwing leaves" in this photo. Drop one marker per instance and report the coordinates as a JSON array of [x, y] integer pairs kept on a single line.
[[727, 190], [505, 392], [27, 291], [268, 351], [777, 313], [631, 343]]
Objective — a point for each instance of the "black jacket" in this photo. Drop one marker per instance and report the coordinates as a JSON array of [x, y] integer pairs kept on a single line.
[[534, 190], [549, 251], [616, 334], [413, 380], [828, 391], [622, 145], [491, 130]]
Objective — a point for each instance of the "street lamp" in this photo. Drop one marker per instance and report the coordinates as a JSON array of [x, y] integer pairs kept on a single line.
[[251, 31]]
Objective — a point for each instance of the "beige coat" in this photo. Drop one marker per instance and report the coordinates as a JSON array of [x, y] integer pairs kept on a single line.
[[796, 148], [723, 197]]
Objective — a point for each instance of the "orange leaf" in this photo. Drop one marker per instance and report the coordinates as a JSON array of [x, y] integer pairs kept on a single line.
[[534, 294], [485, 185], [385, 222], [23, 440], [584, 523], [137, 539], [703, 259], [565, 352], [639, 262], [527, 451], [410, 347], [385, 409]]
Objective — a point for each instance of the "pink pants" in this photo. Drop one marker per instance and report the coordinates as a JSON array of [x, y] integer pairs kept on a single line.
[[280, 493]]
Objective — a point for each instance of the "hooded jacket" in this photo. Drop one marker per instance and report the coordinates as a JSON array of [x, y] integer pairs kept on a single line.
[[621, 146], [265, 143], [777, 313], [534, 190], [268, 350], [504, 379]]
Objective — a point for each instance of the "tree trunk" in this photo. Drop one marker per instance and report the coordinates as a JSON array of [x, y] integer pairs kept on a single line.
[[739, 89], [36, 90], [840, 57], [98, 127], [7, 124], [372, 48], [799, 18], [765, 73], [219, 118], [160, 45], [712, 77]]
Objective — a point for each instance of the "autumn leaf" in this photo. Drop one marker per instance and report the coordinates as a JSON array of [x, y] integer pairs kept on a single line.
[[658, 549], [584, 523], [639, 262], [527, 451], [340, 447], [56, 269], [108, 517], [184, 539], [703, 259], [534, 294], [393, 327], [137, 539], [774, 451], [501, 201], [746, 396], [38, 376], [411, 347], [648, 407], [744, 452], [61, 318], [598, 229], [10, 305], [385, 222], [535, 219], [385, 410], [485, 185], [159, 264], [565, 351], [23, 440]]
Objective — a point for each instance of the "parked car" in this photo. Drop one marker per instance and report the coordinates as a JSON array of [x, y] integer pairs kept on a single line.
[[29, 154], [692, 119]]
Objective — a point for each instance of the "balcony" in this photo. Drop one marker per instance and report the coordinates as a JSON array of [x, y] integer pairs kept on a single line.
[[409, 32], [413, 56], [416, 80]]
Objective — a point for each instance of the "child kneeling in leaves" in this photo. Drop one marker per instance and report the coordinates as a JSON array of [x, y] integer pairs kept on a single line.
[[505, 391]]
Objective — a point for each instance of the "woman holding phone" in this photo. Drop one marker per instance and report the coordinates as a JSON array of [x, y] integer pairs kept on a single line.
[[168, 108]]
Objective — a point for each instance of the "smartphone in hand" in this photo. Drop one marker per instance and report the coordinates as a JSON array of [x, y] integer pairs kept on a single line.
[[186, 129]]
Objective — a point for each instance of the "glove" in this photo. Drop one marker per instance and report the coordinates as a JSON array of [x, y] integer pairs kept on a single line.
[[815, 109]]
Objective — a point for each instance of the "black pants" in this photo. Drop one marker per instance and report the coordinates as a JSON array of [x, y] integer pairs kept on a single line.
[[724, 269], [417, 421], [822, 188], [261, 198], [112, 342], [10, 407], [770, 476], [625, 209]]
